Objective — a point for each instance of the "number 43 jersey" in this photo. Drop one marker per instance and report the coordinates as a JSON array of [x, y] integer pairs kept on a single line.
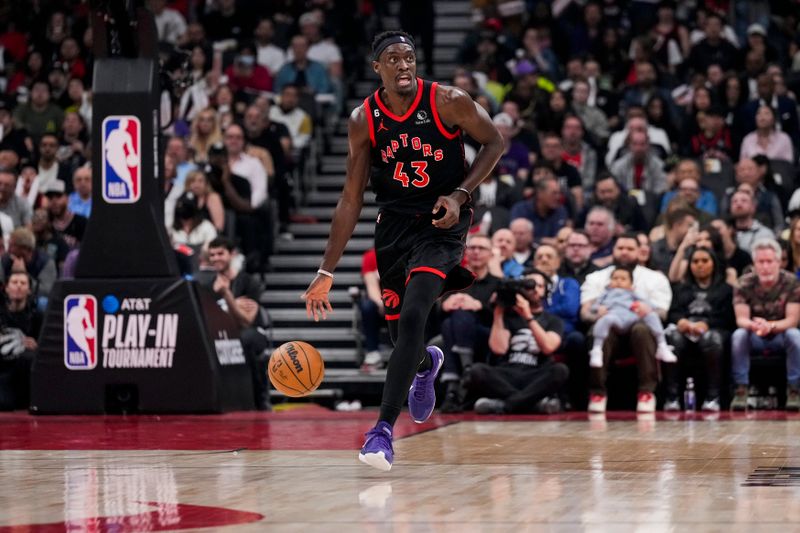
[[415, 158]]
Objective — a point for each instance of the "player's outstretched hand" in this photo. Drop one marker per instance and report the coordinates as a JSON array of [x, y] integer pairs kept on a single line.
[[452, 211], [316, 298]]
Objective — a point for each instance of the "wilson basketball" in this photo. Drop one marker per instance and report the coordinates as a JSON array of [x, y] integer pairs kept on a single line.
[[296, 368]]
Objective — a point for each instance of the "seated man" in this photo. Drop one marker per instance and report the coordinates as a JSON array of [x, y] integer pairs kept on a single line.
[[748, 229], [544, 209], [469, 319], [687, 186], [20, 323], [522, 228], [608, 193], [677, 224], [577, 251], [564, 301], [239, 294], [601, 228], [767, 307], [650, 285], [23, 255], [502, 263], [524, 335]]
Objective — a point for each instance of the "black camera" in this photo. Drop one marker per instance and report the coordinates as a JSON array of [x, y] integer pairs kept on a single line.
[[508, 289]]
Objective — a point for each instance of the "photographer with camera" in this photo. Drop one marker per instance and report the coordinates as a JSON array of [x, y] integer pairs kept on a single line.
[[524, 335]]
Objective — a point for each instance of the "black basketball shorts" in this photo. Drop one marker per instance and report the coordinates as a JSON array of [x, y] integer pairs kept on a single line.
[[409, 244]]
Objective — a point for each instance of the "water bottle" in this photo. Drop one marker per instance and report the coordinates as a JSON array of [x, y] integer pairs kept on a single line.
[[773, 398], [689, 398]]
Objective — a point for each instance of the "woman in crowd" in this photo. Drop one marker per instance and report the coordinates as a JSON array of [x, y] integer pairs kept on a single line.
[[701, 319], [189, 227], [793, 240], [209, 202], [766, 139], [645, 250], [707, 237], [205, 133]]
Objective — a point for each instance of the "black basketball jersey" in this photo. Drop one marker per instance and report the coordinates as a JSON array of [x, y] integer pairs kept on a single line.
[[415, 158]]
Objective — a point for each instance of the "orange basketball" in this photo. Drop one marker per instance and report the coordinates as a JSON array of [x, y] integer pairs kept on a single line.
[[296, 368]]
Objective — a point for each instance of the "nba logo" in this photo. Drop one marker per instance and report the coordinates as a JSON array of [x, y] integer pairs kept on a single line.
[[120, 159], [80, 332]]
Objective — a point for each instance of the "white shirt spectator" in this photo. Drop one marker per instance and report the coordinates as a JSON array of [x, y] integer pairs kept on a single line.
[[745, 238], [6, 226], [45, 177], [697, 35], [324, 51], [204, 233], [170, 25], [616, 142], [33, 193], [271, 57], [650, 285], [297, 121], [253, 171]]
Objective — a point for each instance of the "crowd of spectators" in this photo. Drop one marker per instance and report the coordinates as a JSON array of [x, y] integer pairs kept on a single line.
[[658, 139], [249, 90], [646, 197]]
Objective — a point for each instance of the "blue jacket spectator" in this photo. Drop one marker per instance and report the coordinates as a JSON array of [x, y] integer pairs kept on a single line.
[[564, 296], [545, 211], [302, 71]]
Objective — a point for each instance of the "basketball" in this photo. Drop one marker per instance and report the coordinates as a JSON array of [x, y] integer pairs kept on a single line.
[[296, 368], [132, 160]]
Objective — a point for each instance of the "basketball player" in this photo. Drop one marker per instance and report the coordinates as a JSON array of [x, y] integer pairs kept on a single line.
[[406, 138]]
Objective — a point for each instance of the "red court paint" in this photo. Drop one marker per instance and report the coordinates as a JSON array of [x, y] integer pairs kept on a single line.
[[301, 429], [165, 517], [312, 428]]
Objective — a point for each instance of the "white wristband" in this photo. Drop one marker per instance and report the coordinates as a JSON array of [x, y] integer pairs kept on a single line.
[[325, 273]]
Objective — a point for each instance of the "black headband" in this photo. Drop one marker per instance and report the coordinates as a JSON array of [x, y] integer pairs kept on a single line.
[[388, 41]]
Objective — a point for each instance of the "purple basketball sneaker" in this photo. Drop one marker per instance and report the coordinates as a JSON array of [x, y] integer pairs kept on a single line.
[[421, 395], [377, 450]]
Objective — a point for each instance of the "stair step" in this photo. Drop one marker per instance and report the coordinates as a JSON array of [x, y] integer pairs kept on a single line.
[[330, 182], [307, 245], [452, 8], [312, 335], [345, 375], [339, 145], [302, 279], [451, 38], [462, 21], [362, 229], [332, 197], [299, 262], [290, 298], [337, 166], [444, 71], [333, 159], [368, 212], [279, 316]]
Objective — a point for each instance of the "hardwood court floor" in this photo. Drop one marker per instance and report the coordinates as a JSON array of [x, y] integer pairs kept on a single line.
[[296, 471]]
